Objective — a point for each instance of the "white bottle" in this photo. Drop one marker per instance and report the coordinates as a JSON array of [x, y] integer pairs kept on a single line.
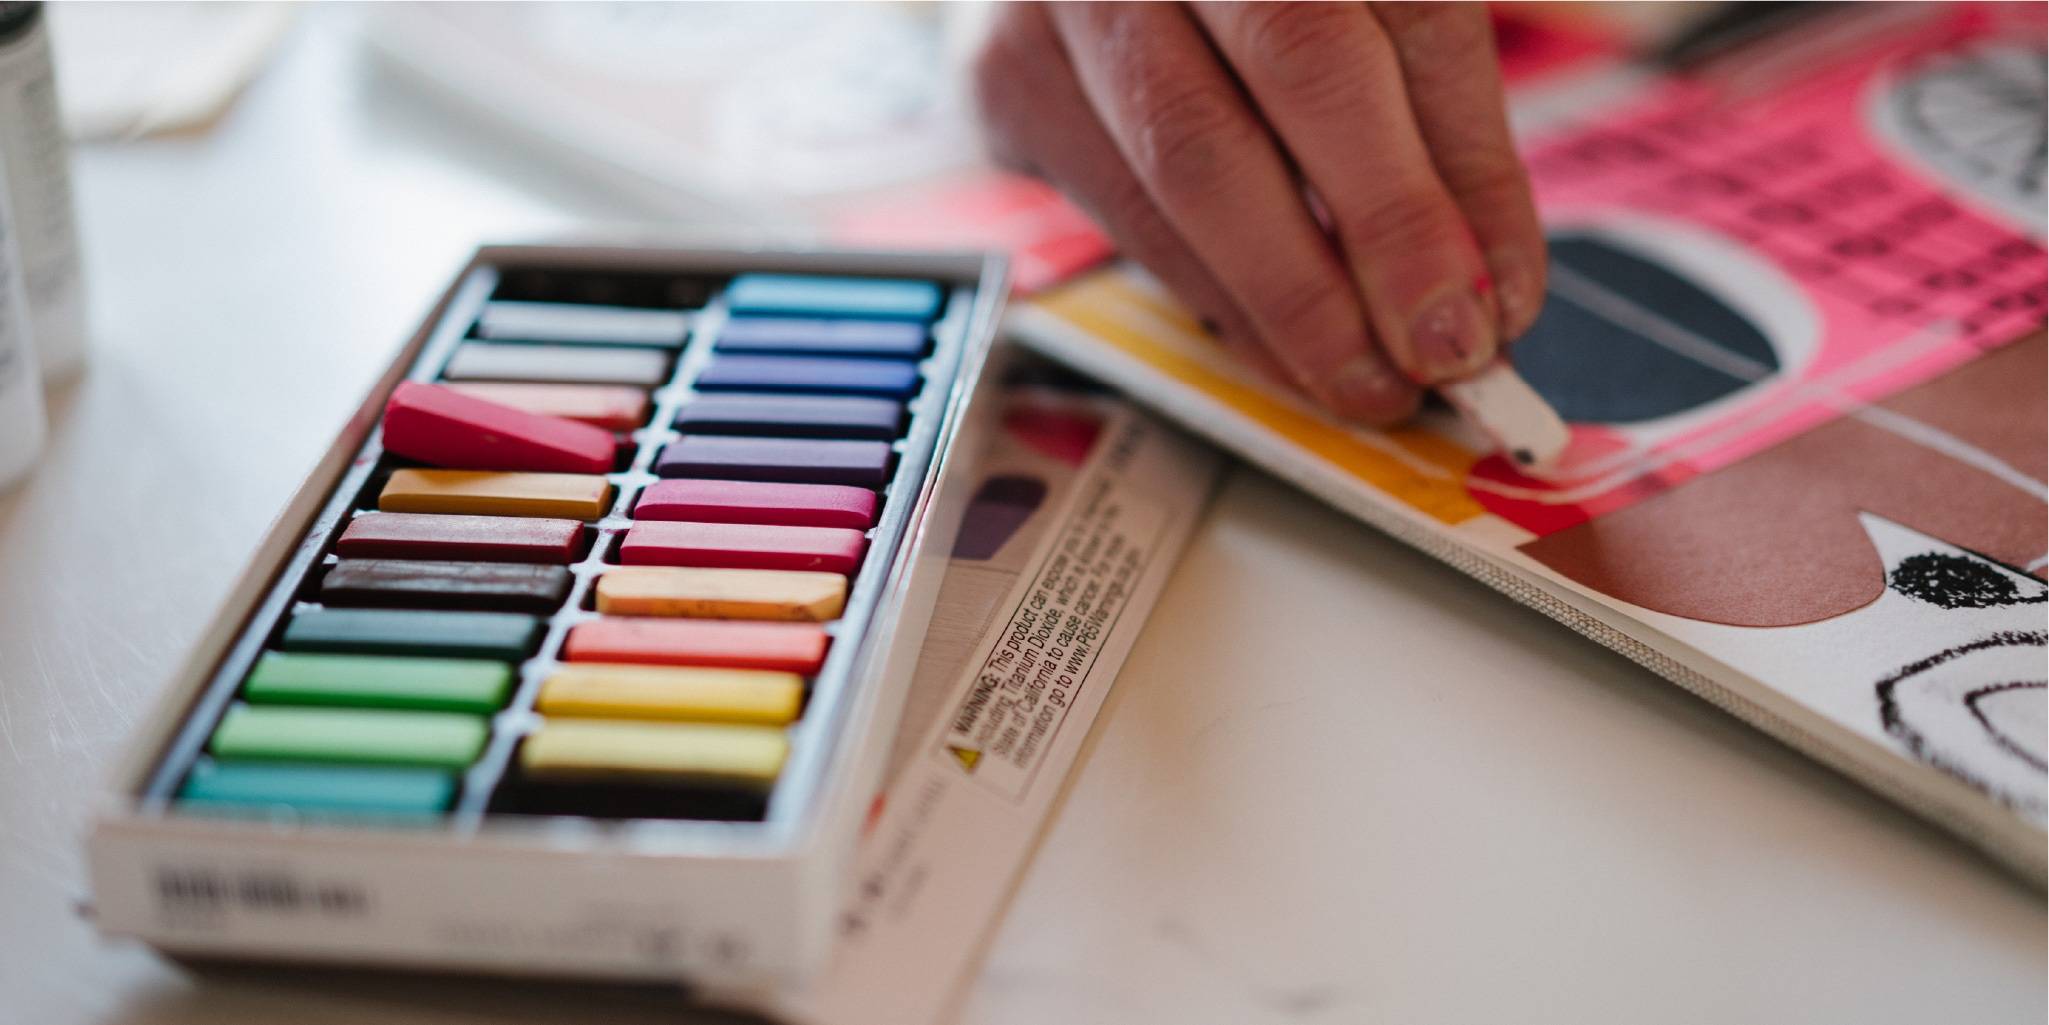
[[38, 170], [21, 390]]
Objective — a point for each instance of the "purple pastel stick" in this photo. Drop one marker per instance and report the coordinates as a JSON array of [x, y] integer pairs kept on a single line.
[[785, 460], [817, 375], [798, 416]]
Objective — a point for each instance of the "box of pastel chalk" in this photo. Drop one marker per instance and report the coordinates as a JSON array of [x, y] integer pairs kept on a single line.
[[580, 652]]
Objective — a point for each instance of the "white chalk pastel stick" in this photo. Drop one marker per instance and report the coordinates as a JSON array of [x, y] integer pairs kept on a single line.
[[1511, 413]]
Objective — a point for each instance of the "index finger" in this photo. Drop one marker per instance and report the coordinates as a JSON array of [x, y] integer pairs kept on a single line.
[[1447, 58], [1328, 79], [1214, 171]]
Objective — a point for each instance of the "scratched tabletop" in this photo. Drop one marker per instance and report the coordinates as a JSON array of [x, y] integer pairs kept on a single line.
[[1336, 782]]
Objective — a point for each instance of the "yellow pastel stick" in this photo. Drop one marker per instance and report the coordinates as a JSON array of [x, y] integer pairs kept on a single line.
[[574, 496], [599, 690], [722, 593], [749, 756]]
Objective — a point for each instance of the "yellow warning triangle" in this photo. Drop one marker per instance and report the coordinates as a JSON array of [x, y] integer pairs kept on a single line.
[[966, 756]]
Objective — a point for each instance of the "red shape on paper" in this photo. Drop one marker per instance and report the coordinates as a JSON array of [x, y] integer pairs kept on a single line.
[[1591, 446], [1068, 437]]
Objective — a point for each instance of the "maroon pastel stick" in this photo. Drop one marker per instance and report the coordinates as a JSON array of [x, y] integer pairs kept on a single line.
[[392, 535], [743, 546]]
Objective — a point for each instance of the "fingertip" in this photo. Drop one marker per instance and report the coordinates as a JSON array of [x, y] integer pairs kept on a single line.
[[1450, 335], [1369, 391]]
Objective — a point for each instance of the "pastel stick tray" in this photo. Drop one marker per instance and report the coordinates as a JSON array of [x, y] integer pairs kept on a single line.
[[744, 886]]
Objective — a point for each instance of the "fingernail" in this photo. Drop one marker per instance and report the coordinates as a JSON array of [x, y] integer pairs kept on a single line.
[[1450, 338], [1517, 294], [1367, 389], [1490, 304]]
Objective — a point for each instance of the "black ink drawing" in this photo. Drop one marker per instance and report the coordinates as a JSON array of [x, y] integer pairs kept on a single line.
[[1975, 709]]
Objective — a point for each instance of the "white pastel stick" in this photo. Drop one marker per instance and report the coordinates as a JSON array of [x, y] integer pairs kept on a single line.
[[1511, 413]]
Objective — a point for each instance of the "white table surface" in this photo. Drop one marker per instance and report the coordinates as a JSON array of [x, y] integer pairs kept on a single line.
[[1336, 782]]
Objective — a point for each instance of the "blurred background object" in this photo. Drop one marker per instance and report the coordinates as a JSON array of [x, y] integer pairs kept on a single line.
[[21, 391], [133, 69], [38, 170], [742, 112]]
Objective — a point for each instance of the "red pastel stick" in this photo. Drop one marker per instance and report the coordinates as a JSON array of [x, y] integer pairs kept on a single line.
[[443, 427]]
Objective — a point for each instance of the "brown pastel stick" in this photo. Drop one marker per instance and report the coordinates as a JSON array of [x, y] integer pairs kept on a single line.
[[431, 584], [397, 535]]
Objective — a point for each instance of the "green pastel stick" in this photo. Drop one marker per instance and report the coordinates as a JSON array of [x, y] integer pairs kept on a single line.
[[349, 735], [379, 681]]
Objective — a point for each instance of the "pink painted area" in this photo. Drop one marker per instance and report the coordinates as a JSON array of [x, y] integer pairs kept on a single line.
[[1906, 281], [1538, 41], [1049, 239]]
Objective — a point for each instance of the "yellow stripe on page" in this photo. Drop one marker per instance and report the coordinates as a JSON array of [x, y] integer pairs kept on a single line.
[[1102, 305]]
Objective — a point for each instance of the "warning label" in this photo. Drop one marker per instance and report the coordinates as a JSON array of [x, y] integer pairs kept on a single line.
[[1026, 683]]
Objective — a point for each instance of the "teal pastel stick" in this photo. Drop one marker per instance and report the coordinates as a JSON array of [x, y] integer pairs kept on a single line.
[[816, 296], [319, 788], [501, 636]]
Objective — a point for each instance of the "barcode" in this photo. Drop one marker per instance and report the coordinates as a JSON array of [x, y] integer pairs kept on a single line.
[[204, 891]]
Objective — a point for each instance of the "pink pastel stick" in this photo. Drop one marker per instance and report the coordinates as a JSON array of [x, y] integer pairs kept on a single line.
[[443, 427], [747, 501]]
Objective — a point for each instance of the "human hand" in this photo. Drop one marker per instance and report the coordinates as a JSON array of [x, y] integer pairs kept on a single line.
[[1331, 186]]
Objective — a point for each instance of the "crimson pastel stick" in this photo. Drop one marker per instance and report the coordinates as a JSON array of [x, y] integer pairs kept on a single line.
[[743, 546], [443, 427]]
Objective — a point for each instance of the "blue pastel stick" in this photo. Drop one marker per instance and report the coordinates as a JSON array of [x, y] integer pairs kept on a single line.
[[804, 295], [818, 336]]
